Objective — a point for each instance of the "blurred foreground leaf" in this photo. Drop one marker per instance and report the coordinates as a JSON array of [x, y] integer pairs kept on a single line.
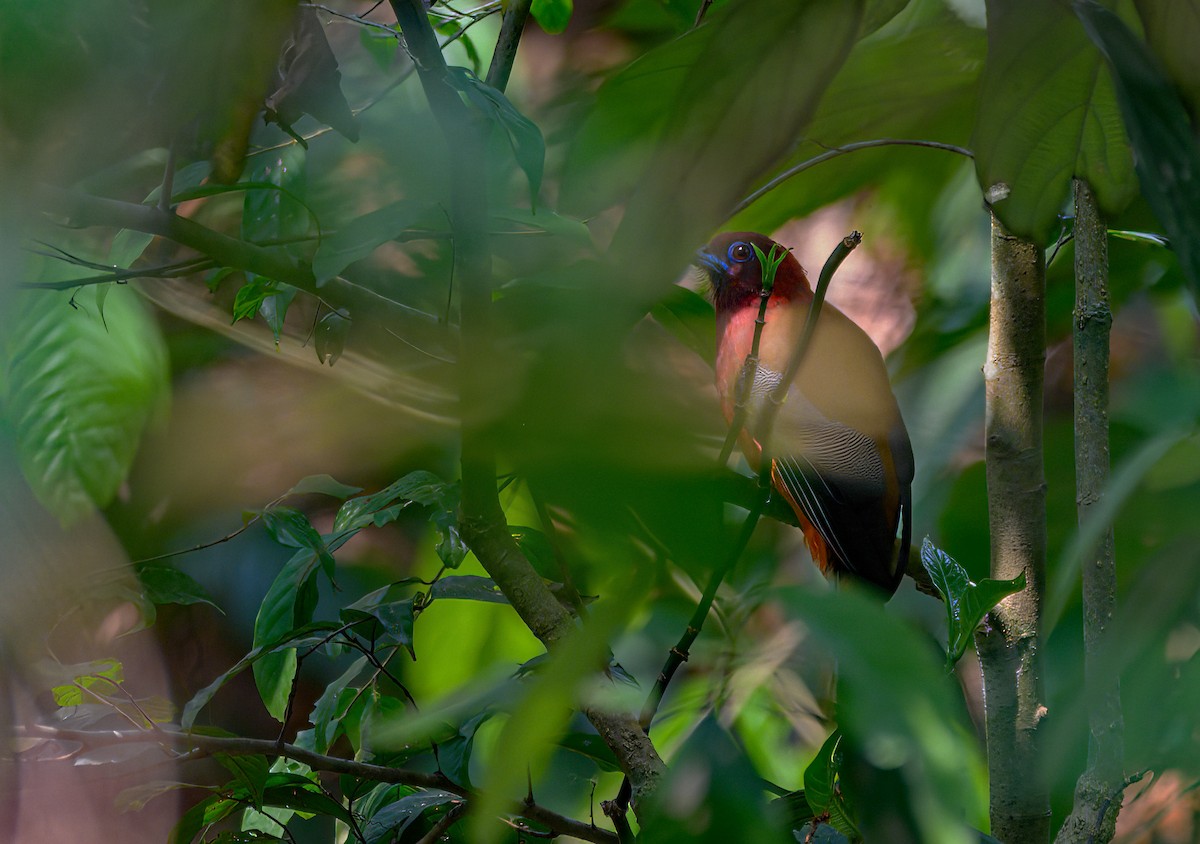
[[78, 389]]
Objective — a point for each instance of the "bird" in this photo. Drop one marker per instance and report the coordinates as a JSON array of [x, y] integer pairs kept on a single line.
[[840, 453]]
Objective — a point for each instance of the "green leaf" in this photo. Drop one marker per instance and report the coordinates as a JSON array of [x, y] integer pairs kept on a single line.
[[164, 584], [418, 487], [287, 606], [330, 337], [1047, 112], [208, 811], [274, 207], [468, 587], [528, 146], [820, 777], [942, 58], [966, 602], [390, 822], [552, 15], [323, 485], [360, 237], [593, 747], [306, 798], [78, 391], [127, 246], [292, 529], [273, 309], [394, 614], [917, 727], [454, 753], [185, 179], [519, 221], [1163, 137], [250, 772], [102, 676], [333, 705], [251, 295], [1172, 31]]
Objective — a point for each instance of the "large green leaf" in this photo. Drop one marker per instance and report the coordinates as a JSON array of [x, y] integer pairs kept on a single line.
[[1047, 112], [701, 119], [931, 100], [79, 388]]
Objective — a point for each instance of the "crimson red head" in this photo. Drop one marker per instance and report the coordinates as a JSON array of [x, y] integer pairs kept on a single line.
[[735, 274]]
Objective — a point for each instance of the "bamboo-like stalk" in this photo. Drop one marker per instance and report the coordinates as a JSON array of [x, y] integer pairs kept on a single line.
[[1098, 790], [1008, 642]]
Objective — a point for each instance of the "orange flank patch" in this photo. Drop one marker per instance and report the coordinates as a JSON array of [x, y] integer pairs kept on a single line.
[[812, 537]]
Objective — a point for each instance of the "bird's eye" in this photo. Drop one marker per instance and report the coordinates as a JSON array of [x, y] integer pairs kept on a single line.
[[740, 252]]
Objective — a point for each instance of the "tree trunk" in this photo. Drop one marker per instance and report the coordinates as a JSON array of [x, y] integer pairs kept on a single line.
[[1008, 643]]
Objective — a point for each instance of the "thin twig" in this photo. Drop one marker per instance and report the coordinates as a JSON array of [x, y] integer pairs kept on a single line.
[[443, 825], [834, 152]]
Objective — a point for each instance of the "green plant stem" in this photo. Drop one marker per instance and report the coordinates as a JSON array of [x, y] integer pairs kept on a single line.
[[483, 523], [1008, 644], [511, 27], [1098, 790], [197, 746], [745, 379]]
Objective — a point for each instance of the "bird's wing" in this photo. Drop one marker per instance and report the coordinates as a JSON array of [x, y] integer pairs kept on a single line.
[[836, 477]]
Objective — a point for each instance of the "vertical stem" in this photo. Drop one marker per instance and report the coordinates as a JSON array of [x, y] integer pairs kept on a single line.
[[511, 27], [1097, 792], [1008, 645], [483, 524]]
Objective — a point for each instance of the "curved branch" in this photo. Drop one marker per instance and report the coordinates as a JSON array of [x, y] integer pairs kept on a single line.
[[197, 746]]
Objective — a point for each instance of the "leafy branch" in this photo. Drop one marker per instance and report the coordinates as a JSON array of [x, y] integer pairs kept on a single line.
[[195, 746]]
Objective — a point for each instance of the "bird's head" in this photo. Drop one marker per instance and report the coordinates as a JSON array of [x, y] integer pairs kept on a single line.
[[734, 273]]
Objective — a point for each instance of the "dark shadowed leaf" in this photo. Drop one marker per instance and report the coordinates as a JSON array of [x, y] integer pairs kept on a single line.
[[250, 772], [359, 237], [393, 612], [712, 794], [727, 126], [528, 146], [390, 822], [164, 584], [468, 587], [311, 81], [1168, 156]]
